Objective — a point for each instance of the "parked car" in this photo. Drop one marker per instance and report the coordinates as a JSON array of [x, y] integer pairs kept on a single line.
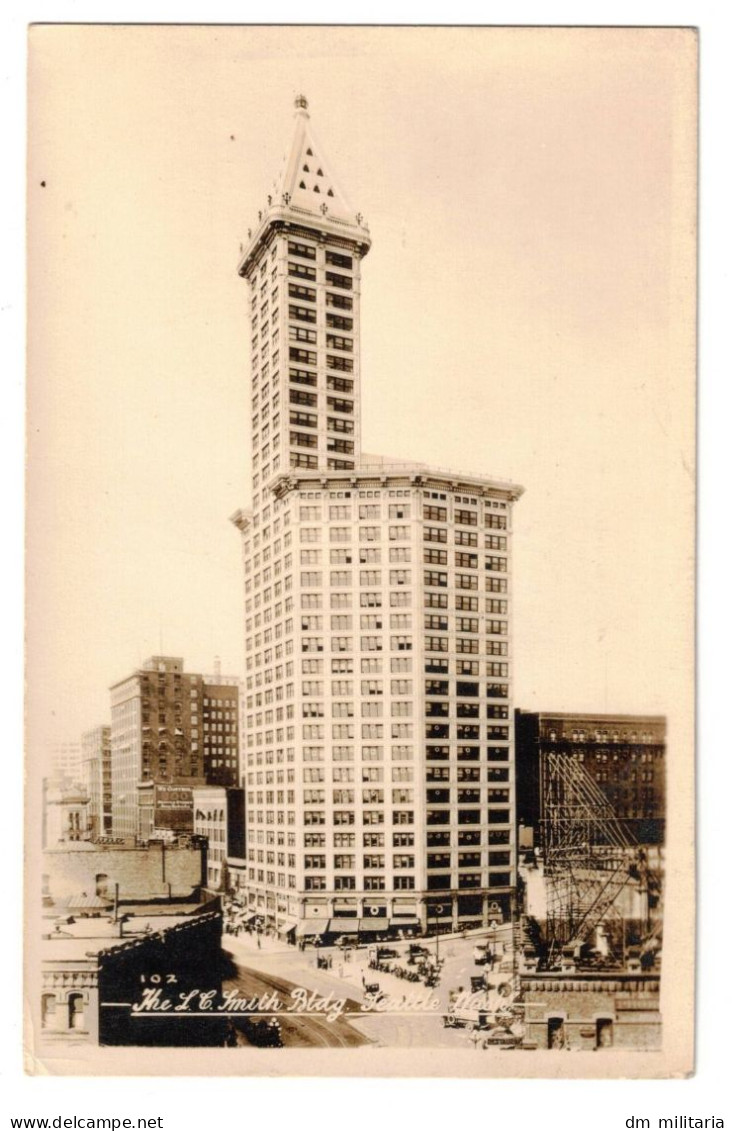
[[467, 1019]]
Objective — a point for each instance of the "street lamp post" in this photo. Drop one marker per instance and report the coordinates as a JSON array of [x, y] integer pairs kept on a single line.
[[438, 910]]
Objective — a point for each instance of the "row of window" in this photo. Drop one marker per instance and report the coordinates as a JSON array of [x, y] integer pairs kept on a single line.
[[369, 883], [493, 838]]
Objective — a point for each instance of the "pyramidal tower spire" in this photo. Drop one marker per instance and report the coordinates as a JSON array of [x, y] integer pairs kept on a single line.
[[302, 262], [307, 176]]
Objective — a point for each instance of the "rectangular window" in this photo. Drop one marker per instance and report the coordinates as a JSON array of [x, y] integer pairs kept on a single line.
[[301, 271], [302, 313], [307, 294], [339, 302], [335, 259], [302, 377], [344, 282], [339, 322], [301, 334], [337, 342], [306, 357], [296, 396], [302, 250]]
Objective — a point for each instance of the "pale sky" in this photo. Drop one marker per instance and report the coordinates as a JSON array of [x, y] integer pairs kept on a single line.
[[527, 313]]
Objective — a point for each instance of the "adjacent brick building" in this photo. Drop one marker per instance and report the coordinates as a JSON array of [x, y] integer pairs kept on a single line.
[[170, 728], [623, 754]]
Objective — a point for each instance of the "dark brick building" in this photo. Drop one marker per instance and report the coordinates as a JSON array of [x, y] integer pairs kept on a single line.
[[170, 728], [623, 754]]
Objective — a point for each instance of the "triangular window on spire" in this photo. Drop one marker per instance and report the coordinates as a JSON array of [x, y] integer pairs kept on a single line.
[[316, 188], [301, 184], [319, 173], [330, 193], [309, 153], [306, 168]]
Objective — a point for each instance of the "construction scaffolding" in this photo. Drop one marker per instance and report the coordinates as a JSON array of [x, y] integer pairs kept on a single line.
[[589, 858]]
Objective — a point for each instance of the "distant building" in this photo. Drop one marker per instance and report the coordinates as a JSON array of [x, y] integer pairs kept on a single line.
[[624, 755], [219, 815], [66, 817], [66, 761], [97, 779], [173, 730]]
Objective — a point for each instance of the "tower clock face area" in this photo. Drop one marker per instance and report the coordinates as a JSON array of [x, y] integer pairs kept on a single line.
[[379, 770]]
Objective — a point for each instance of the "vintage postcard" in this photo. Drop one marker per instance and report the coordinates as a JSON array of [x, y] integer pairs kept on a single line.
[[336, 760]]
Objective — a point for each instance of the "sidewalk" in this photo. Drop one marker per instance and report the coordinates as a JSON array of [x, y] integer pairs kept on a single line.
[[396, 1028], [349, 976]]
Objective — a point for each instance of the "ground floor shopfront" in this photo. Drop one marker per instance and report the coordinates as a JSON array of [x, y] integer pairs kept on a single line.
[[373, 917]]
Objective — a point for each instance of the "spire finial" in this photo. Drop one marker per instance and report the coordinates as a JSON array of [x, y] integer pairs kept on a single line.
[[300, 102]]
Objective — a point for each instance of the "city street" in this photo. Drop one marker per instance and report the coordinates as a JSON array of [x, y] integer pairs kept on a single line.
[[414, 1017]]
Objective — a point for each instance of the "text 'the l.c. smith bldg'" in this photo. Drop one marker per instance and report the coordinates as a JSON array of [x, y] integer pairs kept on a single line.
[[379, 761]]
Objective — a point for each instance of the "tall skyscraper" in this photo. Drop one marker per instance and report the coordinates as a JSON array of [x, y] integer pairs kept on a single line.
[[379, 766], [170, 731]]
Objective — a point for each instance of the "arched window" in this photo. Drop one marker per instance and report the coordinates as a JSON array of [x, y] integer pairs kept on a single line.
[[76, 1011]]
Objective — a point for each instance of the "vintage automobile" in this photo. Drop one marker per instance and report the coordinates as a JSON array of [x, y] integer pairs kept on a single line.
[[346, 942], [479, 954], [466, 1019]]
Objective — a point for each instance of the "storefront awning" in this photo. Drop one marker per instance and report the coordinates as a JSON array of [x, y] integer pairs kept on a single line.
[[377, 925], [306, 927], [286, 926], [343, 926], [407, 921]]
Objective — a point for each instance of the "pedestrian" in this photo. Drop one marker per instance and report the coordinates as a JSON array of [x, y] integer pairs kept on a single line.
[[258, 937]]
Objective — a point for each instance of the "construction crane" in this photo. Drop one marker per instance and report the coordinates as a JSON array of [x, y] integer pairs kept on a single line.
[[589, 855]]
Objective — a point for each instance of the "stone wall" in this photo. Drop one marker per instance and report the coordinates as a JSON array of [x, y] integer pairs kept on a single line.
[[155, 872], [588, 1012]]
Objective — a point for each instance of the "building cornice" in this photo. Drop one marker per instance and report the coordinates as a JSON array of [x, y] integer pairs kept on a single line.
[[379, 475], [286, 217]]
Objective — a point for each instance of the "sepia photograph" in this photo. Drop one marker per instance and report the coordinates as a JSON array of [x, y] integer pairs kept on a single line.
[[360, 551]]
